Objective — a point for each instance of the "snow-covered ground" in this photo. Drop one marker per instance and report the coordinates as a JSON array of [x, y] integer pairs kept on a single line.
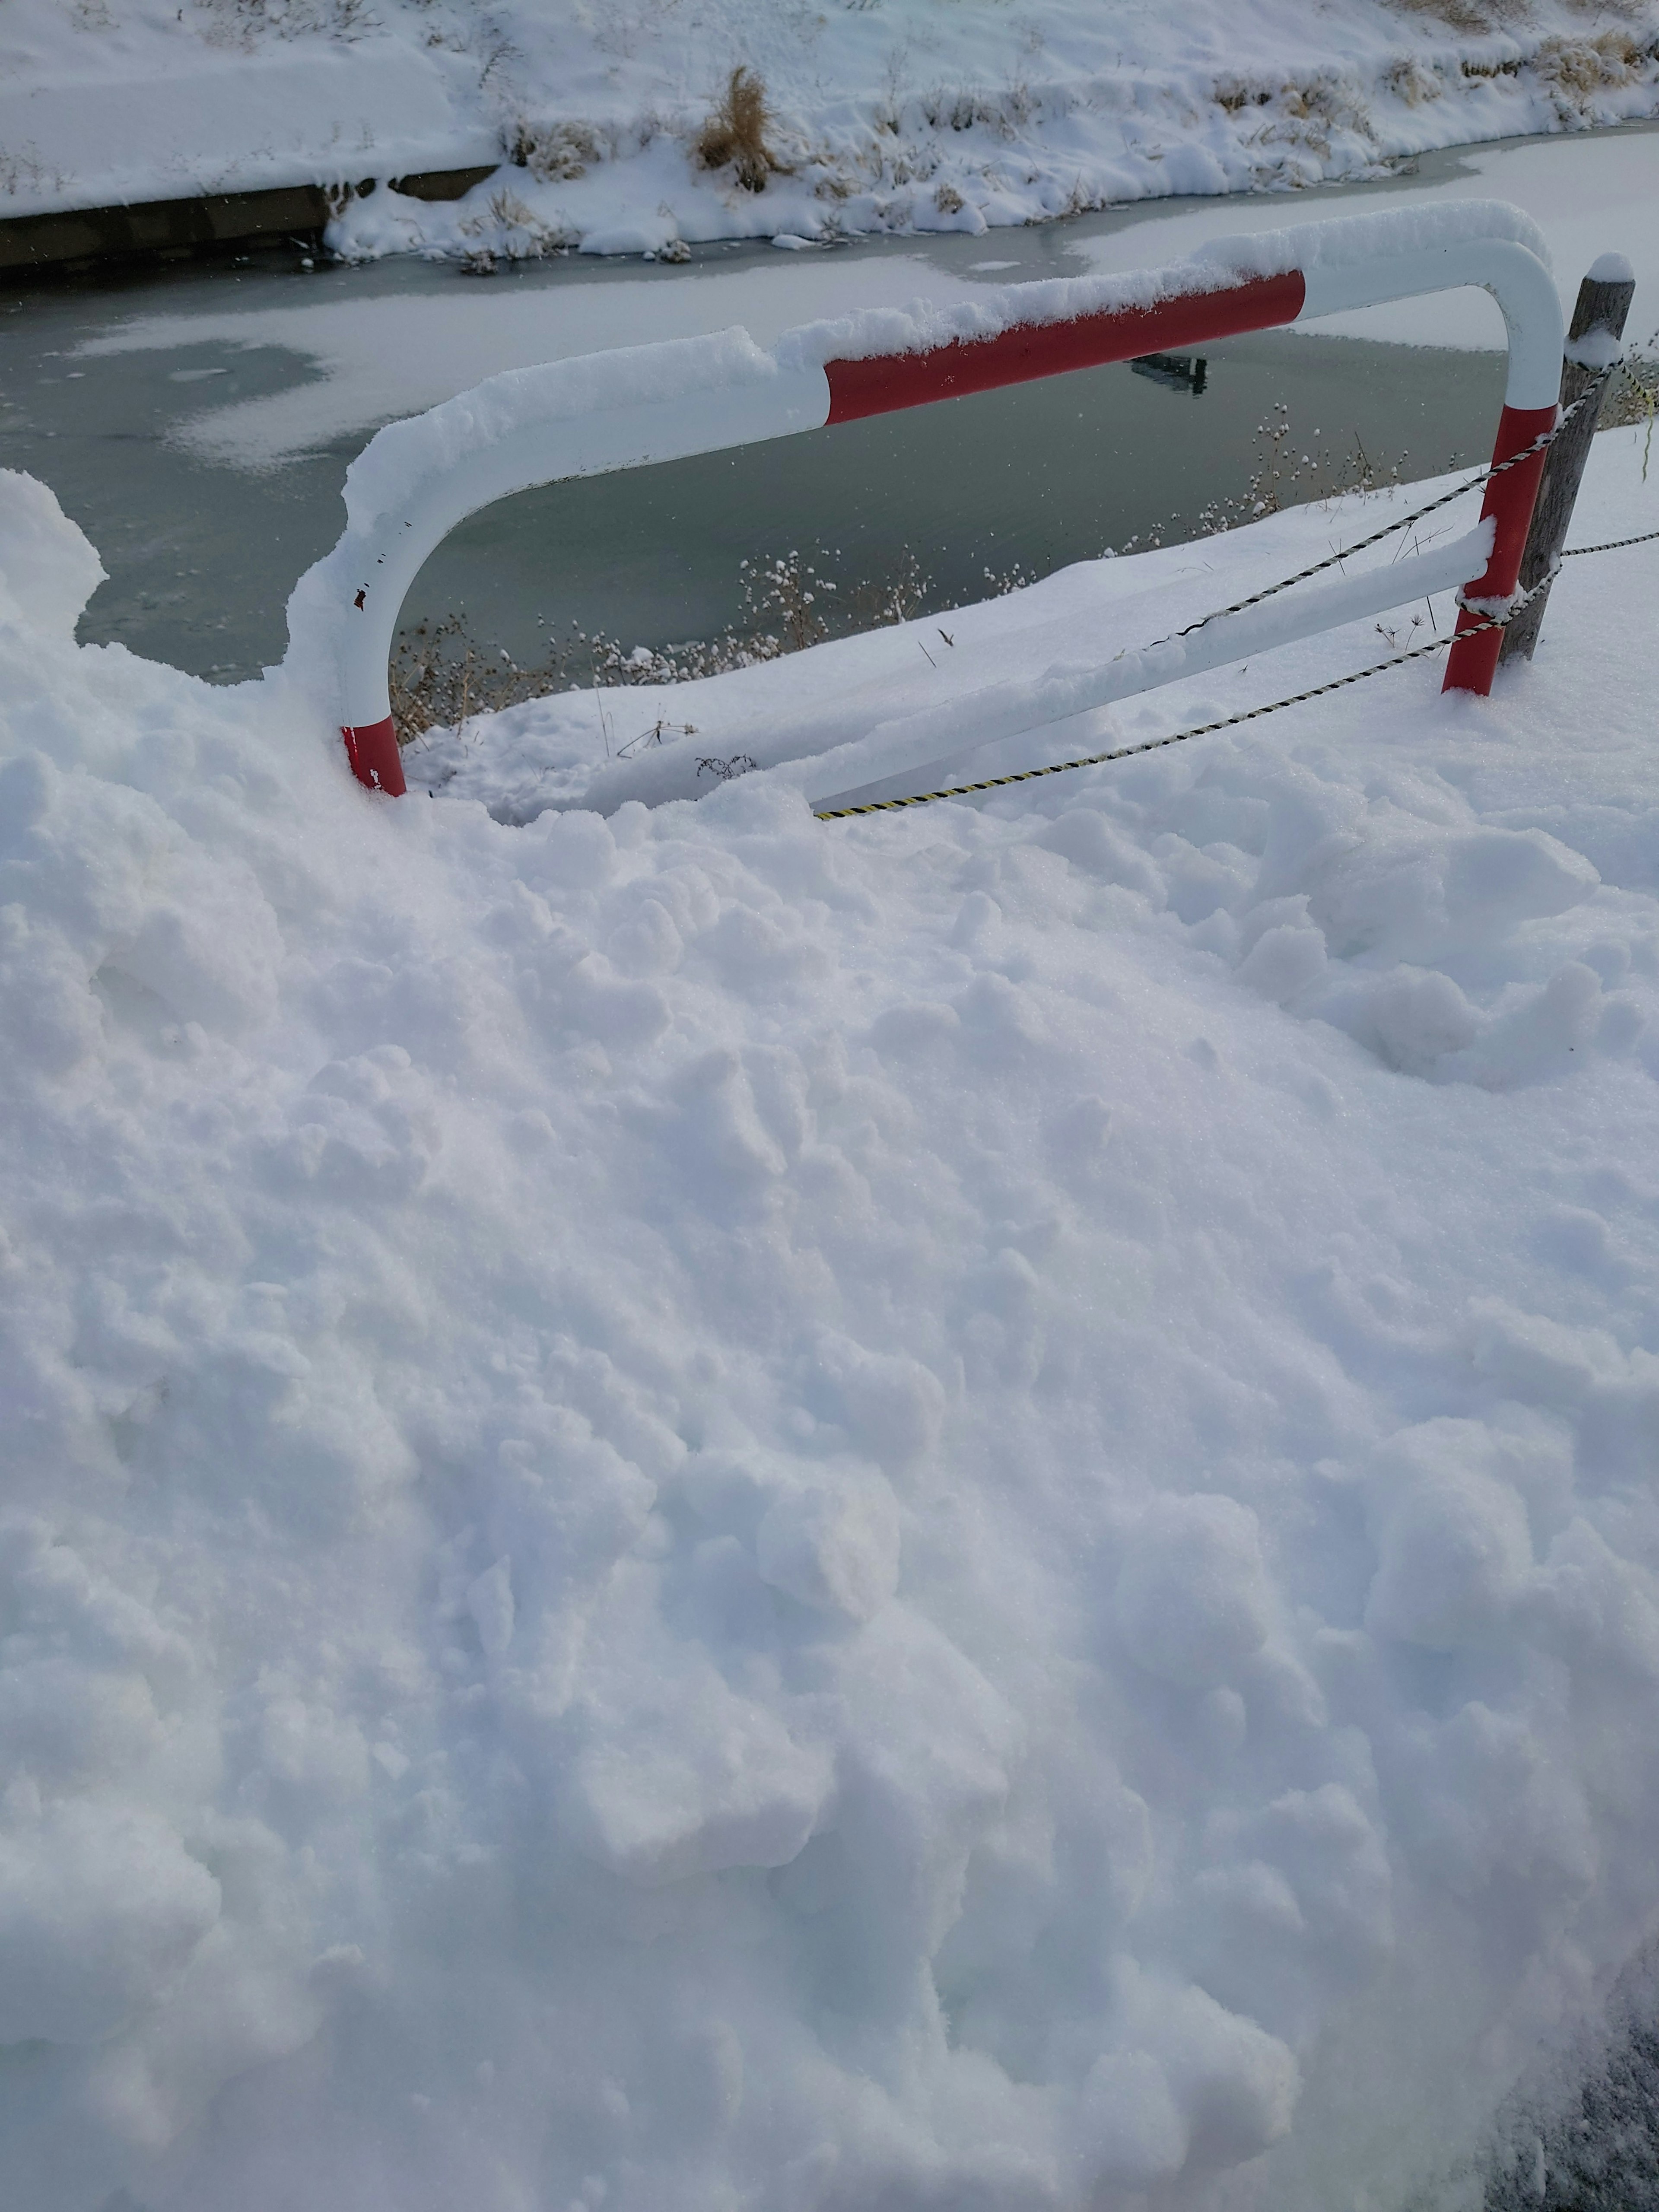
[[888, 114], [703, 1510]]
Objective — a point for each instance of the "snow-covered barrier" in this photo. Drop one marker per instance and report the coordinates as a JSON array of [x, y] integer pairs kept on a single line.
[[417, 479]]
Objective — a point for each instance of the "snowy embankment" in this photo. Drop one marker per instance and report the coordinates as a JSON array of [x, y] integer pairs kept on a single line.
[[703, 1509], [903, 115]]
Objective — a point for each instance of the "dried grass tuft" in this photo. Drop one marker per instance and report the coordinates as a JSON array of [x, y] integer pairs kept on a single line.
[[440, 676], [1632, 393], [735, 134], [1461, 14], [1412, 81]]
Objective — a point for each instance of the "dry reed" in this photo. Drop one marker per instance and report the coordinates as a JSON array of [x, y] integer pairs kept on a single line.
[[735, 134]]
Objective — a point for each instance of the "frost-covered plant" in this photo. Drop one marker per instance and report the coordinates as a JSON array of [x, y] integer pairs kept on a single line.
[[1281, 477], [504, 228], [1632, 396], [245, 22], [1235, 95], [440, 676], [735, 134], [788, 589], [554, 152], [1413, 81], [899, 597], [1574, 71]]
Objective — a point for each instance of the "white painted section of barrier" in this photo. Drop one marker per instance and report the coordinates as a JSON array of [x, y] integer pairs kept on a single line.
[[1516, 278], [1342, 243]]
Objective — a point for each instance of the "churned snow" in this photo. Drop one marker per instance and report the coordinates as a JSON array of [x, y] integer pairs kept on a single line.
[[704, 1508]]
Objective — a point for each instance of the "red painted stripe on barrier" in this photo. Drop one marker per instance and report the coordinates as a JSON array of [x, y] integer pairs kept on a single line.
[[1510, 500], [1033, 349], [374, 757]]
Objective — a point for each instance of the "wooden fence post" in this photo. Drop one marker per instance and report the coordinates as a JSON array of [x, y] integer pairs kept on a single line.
[[1598, 324]]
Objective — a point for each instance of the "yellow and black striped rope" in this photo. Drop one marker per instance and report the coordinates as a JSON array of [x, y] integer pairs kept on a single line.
[[1254, 714], [1539, 444], [1612, 545], [1175, 737]]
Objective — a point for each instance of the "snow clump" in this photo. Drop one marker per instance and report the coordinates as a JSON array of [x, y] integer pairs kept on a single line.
[[703, 1507]]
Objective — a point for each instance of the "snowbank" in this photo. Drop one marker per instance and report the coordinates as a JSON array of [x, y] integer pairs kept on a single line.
[[906, 115], [702, 1509]]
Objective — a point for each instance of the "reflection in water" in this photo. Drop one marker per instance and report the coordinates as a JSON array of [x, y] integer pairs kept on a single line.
[[1177, 372]]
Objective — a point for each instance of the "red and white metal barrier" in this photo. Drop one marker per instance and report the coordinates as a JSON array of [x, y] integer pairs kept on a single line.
[[417, 479]]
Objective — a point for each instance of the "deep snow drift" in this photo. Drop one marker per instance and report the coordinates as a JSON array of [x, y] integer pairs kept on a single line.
[[703, 1511], [887, 114]]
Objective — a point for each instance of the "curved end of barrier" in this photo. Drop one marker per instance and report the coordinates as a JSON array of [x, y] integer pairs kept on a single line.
[[374, 757]]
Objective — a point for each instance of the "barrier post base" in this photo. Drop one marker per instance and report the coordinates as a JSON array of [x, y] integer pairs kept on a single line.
[[374, 757], [1509, 501]]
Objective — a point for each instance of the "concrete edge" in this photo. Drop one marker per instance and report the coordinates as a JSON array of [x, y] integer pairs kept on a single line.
[[176, 229]]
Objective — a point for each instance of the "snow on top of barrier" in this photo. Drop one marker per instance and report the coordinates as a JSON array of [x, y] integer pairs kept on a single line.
[[409, 452], [925, 326], [922, 325], [1359, 238]]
